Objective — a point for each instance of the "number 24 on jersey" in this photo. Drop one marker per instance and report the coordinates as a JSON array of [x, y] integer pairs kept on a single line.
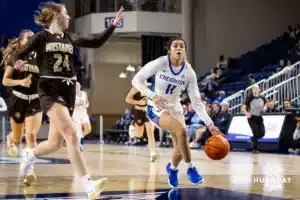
[[61, 62]]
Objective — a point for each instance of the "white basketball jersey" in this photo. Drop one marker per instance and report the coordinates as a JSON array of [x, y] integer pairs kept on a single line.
[[80, 102], [170, 81]]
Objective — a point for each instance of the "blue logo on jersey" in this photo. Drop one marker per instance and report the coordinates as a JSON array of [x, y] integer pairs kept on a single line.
[[172, 80]]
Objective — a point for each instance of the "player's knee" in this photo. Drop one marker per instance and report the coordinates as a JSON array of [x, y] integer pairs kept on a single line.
[[70, 135], [183, 132], [31, 137], [56, 144]]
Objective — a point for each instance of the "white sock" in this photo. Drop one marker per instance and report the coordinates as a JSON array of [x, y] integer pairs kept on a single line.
[[189, 165], [173, 167], [88, 183], [30, 154]]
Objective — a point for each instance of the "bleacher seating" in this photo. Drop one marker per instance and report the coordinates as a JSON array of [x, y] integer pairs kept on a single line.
[[261, 62]]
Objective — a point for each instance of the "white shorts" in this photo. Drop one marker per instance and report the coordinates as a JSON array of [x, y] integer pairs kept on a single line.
[[81, 117], [153, 113]]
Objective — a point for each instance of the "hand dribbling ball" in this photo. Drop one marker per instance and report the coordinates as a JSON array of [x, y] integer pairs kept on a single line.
[[216, 147]]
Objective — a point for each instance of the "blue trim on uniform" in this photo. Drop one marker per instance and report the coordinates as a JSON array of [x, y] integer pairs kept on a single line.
[[152, 87], [150, 114], [171, 68]]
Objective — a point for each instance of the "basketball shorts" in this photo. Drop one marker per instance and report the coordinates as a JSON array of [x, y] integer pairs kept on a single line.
[[139, 117], [153, 113], [81, 117], [54, 90], [20, 108]]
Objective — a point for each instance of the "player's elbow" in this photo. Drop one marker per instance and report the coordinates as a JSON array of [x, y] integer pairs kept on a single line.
[[4, 81]]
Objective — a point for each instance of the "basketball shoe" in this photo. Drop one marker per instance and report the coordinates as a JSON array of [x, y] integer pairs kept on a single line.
[[194, 176], [11, 147], [94, 188], [153, 157], [27, 161], [30, 178], [172, 176]]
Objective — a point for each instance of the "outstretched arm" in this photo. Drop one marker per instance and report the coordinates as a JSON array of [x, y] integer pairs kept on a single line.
[[94, 41], [97, 41]]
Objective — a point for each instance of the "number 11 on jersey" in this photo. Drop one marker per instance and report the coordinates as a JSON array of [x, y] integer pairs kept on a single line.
[[170, 89]]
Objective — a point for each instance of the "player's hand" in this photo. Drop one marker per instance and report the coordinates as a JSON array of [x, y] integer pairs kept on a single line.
[[26, 82], [142, 102], [160, 101], [19, 64], [214, 130], [118, 17], [248, 115]]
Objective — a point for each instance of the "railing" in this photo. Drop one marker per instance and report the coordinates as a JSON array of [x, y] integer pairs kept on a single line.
[[288, 89], [84, 7], [236, 100]]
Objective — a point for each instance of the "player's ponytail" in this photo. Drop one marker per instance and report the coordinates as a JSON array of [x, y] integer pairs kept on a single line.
[[45, 16], [13, 47]]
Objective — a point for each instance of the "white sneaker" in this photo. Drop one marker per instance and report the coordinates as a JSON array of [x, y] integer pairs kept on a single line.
[[153, 157], [291, 150], [30, 178], [12, 150], [97, 188], [27, 162], [194, 145]]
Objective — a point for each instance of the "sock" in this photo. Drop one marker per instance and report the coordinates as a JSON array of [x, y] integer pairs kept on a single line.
[[87, 183], [189, 165], [173, 167], [30, 155]]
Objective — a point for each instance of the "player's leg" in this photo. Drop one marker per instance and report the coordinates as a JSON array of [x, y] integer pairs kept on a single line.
[[59, 115], [151, 140], [16, 113], [87, 128], [139, 132], [179, 136], [14, 137], [32, 127], [53, 143]]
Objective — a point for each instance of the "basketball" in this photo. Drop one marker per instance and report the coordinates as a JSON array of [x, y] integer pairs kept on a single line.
[[216, 147]]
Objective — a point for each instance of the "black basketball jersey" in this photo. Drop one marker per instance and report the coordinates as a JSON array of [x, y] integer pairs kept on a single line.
[[55, 51], [29, 68], [138, 96]]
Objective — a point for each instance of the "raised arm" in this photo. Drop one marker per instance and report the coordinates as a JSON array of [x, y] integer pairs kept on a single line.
[[94, 41], [97, 41]]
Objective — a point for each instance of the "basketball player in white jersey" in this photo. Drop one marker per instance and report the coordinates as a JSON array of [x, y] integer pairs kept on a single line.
[[80, 115], [171, 75]]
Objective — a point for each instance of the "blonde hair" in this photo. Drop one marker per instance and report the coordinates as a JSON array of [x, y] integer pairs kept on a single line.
[[45, 16], [13, 47]]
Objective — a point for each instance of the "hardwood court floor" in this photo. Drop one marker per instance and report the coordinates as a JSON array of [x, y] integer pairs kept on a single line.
[[241, 175]]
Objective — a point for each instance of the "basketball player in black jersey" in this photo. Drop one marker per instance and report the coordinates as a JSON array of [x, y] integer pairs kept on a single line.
[[23, 104], [57, 87], [140, 119]]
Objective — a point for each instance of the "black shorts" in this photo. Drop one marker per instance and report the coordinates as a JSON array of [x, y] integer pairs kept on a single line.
[[19, 109], [139, 117], [57, 91]]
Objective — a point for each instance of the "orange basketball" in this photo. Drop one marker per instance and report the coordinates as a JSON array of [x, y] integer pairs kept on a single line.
[[216, 147]]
